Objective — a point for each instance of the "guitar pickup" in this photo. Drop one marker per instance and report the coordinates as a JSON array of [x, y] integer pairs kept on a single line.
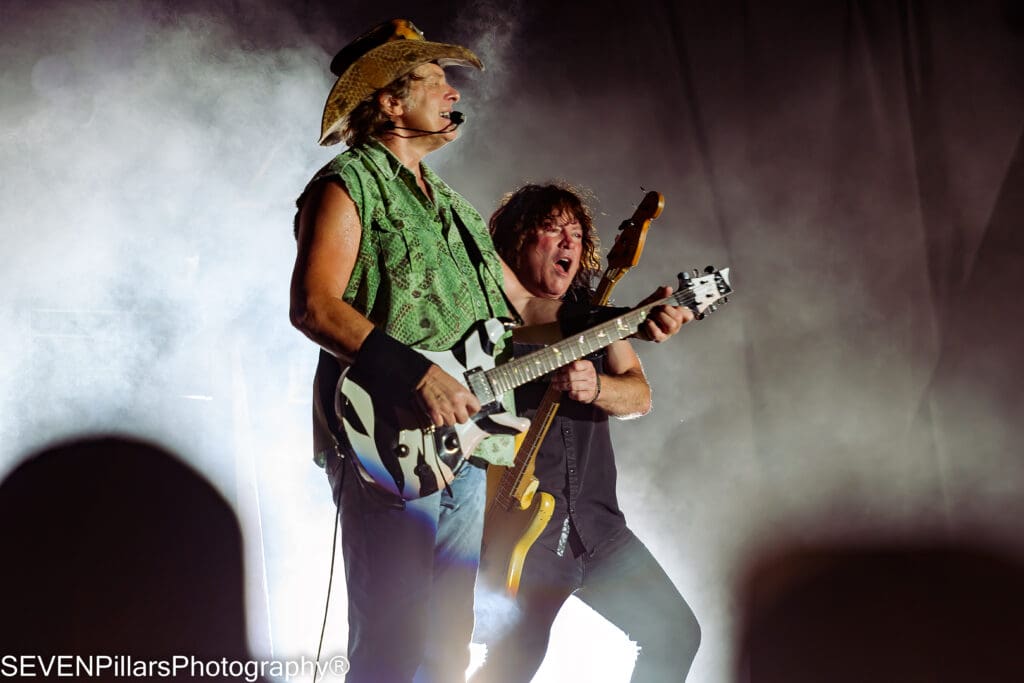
[[477, 382]]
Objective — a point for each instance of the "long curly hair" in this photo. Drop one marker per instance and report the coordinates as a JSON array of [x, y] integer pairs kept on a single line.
[[522, 211]]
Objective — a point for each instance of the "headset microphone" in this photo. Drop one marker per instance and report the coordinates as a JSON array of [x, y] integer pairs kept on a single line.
[[457, 118]]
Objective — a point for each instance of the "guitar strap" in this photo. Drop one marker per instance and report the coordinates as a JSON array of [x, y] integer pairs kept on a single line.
[[477, 258]]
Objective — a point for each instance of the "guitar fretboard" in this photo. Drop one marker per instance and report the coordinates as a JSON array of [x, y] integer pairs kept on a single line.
[[535, 365]]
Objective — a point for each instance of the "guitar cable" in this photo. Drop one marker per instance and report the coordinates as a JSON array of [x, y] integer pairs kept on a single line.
[[330, 575], [334, 548]]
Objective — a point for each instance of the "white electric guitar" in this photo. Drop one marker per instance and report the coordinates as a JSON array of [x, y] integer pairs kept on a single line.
[[404, 459]]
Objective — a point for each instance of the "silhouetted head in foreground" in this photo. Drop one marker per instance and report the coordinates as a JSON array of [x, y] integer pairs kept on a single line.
[[932, 614], [114, 547]]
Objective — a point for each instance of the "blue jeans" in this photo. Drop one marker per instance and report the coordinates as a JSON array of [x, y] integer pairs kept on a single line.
[[621, 581], [410, 575]]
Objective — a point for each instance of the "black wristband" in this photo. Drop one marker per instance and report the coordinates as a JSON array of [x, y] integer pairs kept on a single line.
[[383, 365], [573, 317]]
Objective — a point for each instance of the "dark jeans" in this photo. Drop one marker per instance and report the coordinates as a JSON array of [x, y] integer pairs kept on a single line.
[[410, 575], [623, 582]]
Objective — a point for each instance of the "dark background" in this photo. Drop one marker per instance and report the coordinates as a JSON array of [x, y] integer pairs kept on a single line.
[[858, 165]]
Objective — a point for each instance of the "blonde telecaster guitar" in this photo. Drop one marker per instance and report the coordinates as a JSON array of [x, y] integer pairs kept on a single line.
[[517, 512]]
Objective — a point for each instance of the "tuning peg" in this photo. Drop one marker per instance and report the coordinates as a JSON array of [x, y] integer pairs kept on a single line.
[[696, 273], [709, 269], [685, 275], [725, 299]]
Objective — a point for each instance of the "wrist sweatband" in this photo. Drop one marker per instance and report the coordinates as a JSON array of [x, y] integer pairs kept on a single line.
[[383, 365], [573, 318]]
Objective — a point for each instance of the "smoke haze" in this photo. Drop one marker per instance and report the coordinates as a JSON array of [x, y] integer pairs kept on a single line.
[[860, 186]]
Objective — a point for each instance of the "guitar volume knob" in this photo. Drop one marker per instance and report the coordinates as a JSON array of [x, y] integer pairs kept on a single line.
[[451, 443]]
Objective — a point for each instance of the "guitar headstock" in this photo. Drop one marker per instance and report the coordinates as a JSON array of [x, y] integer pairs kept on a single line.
[[704, 292], [629, 243]]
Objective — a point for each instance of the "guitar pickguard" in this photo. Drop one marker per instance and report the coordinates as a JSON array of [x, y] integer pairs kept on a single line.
[[411, 462]]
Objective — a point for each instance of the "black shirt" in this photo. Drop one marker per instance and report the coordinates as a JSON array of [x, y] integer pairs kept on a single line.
[[576, 465]]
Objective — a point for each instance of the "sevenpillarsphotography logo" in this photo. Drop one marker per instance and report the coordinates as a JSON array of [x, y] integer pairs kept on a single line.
[[108, 667]]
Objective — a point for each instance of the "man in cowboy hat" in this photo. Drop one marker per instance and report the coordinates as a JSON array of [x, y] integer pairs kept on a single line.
[[389, 258]]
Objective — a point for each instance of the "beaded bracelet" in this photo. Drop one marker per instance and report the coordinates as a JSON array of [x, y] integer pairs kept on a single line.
[[598, 392]]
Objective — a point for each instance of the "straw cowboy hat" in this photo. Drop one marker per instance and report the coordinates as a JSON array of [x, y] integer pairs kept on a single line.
[[375, 59]]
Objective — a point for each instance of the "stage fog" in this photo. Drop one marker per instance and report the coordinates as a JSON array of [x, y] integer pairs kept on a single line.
[[858, 166]]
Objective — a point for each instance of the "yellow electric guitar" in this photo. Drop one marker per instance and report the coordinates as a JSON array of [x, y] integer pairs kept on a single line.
[[517, 512]]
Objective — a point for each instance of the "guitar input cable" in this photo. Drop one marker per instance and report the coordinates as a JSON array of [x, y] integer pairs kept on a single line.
[[334, 553]]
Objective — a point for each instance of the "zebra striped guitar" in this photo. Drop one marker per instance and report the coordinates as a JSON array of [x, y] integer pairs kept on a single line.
[[410, 462]]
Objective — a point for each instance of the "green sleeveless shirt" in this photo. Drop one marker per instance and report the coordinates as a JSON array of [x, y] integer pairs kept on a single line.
[[414, 276]]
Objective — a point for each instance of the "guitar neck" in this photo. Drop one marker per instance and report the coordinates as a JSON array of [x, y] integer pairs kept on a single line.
[[604, 289], [516, 479], [535, 365]]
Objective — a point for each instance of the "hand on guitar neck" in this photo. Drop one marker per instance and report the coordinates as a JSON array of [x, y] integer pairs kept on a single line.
[[663, 321], [446, 402]]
